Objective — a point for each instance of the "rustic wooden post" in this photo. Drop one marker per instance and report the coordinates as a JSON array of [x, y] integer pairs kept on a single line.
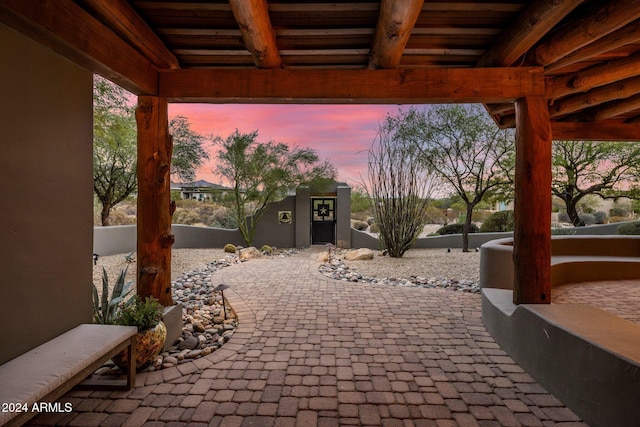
[[532, 234], [155, 208]]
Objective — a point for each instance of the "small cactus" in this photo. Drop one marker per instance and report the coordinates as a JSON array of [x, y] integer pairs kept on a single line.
[[230, 248]]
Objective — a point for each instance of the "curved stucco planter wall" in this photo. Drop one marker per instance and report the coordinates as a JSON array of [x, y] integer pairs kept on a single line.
[[587, 357], [573, 259]]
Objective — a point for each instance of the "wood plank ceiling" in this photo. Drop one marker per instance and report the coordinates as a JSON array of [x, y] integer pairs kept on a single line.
[[588, 50]]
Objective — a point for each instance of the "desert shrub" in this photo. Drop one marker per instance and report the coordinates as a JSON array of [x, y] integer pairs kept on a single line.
[[360, 225], [456, 229], [266, 249], [588, 218], [222, 219], [631, 228], [373, 228], [619, 211], [617, 219], [229, 248], [600, 217], [564, 217], [498, 222], [118, 217], [187, 203], [185, 216]]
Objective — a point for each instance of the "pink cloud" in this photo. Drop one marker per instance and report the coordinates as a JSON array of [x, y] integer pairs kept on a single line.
[[339, 133]]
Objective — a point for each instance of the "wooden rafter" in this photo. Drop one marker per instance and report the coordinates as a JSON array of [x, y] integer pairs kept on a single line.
[[612, 110], [598, 75], [500, 108], [395, 23], [494, 85], [131, 27], [628, 34], [618, 90], [530, 26], [83, 39], [606, 18], [258, 34]]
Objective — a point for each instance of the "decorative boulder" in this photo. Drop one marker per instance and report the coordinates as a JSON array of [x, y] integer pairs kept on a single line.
[[249, 253], [359, 254], [322, 256]]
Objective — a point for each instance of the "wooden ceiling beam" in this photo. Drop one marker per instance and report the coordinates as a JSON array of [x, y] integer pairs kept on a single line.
[[595, 76], [629, 34], [83, 39], [131, 27], [597, 131], [611, 92], [396, 20], [604, 19], [493, 85], [258, 35], [529, 27]]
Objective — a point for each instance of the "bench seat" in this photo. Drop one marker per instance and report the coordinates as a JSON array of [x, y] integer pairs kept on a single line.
[[48, 371]]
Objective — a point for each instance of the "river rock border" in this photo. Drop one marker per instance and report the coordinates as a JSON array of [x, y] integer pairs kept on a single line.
[[335, 268]]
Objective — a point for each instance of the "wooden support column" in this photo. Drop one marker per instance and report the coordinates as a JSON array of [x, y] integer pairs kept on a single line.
[[532, 234], [155, 208]]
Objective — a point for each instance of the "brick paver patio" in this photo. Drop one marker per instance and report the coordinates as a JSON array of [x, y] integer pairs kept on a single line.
[[311, 351], [617, 297]]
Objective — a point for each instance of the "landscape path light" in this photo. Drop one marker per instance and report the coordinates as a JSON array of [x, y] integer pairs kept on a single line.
[[221, 287]]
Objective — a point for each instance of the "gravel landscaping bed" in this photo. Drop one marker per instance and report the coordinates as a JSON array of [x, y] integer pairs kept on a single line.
[[427, 268]]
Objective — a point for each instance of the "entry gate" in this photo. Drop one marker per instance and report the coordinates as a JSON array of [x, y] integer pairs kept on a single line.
[[323, 220]]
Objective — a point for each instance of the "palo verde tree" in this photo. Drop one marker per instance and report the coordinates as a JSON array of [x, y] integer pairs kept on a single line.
[[189, 151], [468, 151], [400, 184], [263, 172], [115, 146], [609, 170]]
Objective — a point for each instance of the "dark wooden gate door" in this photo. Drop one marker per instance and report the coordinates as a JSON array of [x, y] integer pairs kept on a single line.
[[323, 220]]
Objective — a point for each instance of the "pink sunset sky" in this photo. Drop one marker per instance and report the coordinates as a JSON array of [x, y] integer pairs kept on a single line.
[[341, 134]]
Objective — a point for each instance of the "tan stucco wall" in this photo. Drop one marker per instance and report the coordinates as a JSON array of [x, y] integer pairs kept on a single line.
[[46, 186]]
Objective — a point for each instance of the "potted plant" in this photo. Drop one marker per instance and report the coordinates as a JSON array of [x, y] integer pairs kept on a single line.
[[146, 314]]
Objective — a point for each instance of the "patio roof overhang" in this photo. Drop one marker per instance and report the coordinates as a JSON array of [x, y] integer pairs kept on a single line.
[[562, 69], [587, 52]]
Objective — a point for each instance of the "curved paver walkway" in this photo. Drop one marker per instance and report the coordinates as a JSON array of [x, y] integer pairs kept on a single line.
[[313, 351]]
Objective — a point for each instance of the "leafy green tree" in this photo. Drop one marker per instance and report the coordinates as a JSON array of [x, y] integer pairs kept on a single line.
[[114, 145], [610, 170], [470, 153], [115, 150], [260, 173], [361, 203]]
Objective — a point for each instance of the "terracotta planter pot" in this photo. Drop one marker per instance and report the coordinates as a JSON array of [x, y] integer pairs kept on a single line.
[[149, 344]]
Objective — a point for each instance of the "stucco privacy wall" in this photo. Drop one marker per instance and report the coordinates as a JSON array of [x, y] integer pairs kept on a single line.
[[46, 139], [122, 239]]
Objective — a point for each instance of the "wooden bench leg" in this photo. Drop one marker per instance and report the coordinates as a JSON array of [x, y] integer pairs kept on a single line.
[[106, 384], [133, 355]]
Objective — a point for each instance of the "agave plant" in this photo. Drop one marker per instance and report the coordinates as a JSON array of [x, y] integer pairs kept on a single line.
[[105, 310]]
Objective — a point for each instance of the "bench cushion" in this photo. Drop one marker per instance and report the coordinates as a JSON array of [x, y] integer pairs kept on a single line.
[[35, 374]]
